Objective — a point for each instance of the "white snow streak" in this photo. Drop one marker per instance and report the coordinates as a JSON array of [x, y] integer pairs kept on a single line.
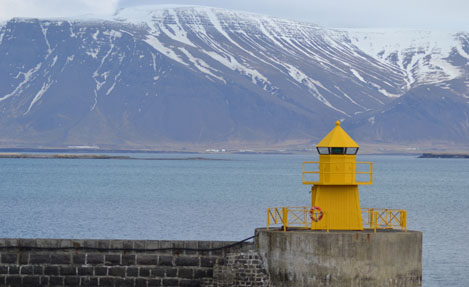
[[234, 65], [157, 45], [44, 32], [45, 87], [201, 65], [356, 74], [27, 76]]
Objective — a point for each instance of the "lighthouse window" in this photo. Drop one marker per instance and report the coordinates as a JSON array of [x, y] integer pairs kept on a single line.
[[337, 150], [323, 150], [351, 150]]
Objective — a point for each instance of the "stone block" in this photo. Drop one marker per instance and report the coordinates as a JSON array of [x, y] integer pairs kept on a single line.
[[170, 282], [47, 243], [11, 242], [14, 280], [60, 259], [39, 258], [152, 244], [95, 258], [128, 259], [90, 243], [83, 271], [56, 281], [154, 282], [204, 244], [189, 283], [13, 270], [38, 270], [9, 258], [202, 273], [23, 258], [45, 281], [166, 244], [116, 244], [165, 261], [117, 271], [79, 259], [100, 271], [187, 261], [26, 243], [186, 273], [106, 281], [158, 272], [71, 281], [145, 259], [31, 280], [26, 270], [139, 282], [208, 261], [128, 244], [89, 281], [144, 272], [139, 244], [68, 270], [3, 269], [132, 271], [77, 243], [124, 282], [191, 245], [112, 259], [51, 270]]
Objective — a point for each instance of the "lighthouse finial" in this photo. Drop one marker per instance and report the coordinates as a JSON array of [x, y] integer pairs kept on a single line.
[[337, 123]]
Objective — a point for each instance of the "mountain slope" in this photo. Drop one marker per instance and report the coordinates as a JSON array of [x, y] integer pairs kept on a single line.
[[152, 76]]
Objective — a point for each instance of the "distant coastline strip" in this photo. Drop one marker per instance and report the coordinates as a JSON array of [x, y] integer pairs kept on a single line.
[[444, 155], [95, 156]]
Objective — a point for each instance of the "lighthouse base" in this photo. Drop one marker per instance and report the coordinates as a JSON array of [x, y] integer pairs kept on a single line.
[[341, 204], [342, 258]]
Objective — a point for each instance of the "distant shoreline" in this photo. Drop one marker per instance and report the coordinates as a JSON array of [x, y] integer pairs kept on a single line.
[[92, 156], [443, 155]]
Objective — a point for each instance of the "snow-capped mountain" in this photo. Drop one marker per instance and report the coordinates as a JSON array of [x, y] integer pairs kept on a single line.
[[157, 76]]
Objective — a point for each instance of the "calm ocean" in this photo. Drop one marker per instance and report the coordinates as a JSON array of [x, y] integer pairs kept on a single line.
[[225, 200]]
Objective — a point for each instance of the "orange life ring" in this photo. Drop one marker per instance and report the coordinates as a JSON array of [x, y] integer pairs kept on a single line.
[[313, 213]]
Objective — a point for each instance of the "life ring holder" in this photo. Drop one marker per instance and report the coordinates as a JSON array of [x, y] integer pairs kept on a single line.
[[313, 213]]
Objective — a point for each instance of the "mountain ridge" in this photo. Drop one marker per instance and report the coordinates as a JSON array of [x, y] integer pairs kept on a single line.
[[195, 76]]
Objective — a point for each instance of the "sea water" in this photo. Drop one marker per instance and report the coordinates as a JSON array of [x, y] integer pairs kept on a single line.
[[225, 199]]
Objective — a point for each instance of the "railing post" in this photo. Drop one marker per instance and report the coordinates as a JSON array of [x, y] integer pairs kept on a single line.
[[268, 218], [375, 219], [404, 220], [285, 218]]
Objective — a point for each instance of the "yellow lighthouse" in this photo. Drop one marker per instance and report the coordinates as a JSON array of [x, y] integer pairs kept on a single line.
[[335, 188], [335, 203]]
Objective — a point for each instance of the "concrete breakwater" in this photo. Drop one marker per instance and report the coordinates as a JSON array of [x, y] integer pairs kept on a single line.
[[275, 258]]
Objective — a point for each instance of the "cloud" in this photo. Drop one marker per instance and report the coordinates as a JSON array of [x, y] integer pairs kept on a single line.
[[54, 8]]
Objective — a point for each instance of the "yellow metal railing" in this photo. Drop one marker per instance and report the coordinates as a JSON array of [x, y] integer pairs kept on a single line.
[[344, 177], [299, 217], [384, 218]]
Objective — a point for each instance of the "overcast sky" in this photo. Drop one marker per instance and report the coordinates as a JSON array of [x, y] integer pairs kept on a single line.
[[426, 14]]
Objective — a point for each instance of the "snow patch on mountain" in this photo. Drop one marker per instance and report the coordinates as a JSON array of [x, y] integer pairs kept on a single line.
[[422, 55]]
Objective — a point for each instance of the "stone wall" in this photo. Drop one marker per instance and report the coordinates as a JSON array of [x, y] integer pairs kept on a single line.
[[63, 262]]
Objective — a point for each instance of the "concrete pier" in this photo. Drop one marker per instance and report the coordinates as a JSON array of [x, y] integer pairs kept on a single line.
[[341, 258]]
